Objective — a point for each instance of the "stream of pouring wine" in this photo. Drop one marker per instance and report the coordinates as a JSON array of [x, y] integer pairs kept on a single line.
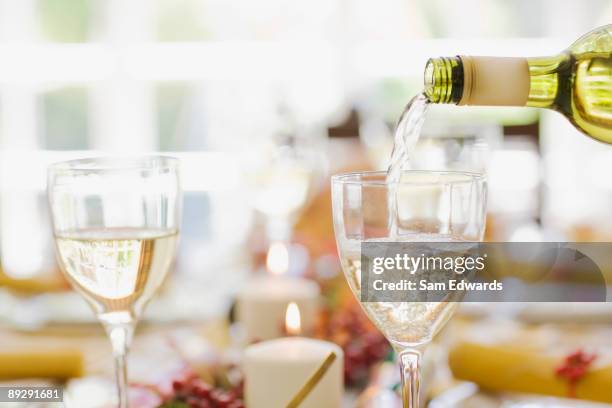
[[406, 136]]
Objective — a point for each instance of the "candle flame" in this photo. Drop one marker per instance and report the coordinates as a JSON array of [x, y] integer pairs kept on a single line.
[[293, 321], [277, 260]]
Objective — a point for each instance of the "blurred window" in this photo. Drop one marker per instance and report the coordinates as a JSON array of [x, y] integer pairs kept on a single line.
[[179, 117], [181, 20], [65, 20], [64, 119]]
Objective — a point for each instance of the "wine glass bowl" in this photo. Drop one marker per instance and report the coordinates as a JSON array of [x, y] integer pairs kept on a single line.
[[421, 207], [115, 223], [281, 180]]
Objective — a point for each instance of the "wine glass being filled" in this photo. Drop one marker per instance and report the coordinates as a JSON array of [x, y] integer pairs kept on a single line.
[[416, 208]]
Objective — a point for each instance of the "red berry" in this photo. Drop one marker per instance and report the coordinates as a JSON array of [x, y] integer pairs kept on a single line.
[[177, 385], [202, 390]]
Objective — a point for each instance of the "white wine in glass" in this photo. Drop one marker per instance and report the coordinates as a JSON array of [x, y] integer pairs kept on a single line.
[[116, 269], [115, 224], [400, 322]]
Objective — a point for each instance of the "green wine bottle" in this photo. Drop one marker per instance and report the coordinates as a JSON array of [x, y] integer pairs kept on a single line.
[[577, 82]]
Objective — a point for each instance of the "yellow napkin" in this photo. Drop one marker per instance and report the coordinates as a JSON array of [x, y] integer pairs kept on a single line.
[[43, 363], [502, 368], [49, 281]]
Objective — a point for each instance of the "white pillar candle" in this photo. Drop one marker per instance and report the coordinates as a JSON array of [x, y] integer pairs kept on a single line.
[[276, 370], [263, 301]]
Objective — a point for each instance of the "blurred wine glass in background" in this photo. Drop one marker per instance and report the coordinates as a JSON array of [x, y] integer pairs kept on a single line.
[[282, 184], [283, 175]]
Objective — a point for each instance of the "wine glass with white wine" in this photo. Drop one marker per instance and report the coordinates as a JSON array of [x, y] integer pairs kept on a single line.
[[419, 207], [115, 222]]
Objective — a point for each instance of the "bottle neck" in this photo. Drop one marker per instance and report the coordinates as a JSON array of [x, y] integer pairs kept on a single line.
[[492, 81]]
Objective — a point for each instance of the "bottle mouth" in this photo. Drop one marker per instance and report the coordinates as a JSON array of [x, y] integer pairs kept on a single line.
[[443, 80], [429, 79]]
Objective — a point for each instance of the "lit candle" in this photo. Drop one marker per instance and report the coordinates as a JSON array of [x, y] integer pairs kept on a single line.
[[263, 300], [276, 370], [293, 320]]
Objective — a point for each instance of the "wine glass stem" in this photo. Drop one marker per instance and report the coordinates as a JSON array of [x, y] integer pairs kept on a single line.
[[410, 362], [278, 229], [121, 377], [121, 336]]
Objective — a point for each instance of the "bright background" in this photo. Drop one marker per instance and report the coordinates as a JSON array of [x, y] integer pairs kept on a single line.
[[215, 81]]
